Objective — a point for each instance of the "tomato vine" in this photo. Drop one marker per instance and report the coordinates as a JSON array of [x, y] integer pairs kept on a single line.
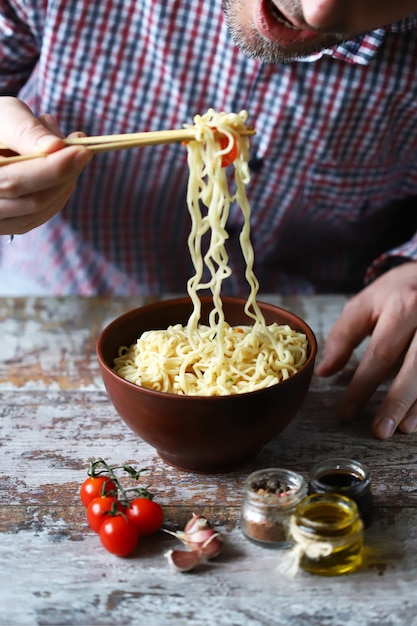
[[119, 514]]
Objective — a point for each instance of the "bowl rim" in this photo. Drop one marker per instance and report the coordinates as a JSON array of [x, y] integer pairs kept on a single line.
[[311, 337]]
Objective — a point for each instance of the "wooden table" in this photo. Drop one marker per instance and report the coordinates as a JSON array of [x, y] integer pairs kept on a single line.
[[55, 415]]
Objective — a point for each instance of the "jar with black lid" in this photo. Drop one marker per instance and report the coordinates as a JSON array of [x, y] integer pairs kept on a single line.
[[346, 477]]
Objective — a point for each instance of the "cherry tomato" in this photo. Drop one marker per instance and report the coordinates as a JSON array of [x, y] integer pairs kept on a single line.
[[228, 157], [94, 487], [119, 535], [101, 508], [146, 514]]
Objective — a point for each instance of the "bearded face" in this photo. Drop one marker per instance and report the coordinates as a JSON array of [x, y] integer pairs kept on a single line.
[[281, 30]]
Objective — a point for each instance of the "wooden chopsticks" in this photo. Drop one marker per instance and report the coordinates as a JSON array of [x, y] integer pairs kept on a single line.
[[105, 143]]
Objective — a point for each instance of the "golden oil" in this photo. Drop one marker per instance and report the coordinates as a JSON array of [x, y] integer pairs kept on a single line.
[[328, 532]]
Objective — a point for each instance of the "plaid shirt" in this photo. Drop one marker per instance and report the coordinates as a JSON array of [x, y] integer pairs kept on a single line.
[[334, 161]]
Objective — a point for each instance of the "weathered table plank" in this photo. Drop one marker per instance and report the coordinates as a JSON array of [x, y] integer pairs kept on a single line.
[[55, 415]]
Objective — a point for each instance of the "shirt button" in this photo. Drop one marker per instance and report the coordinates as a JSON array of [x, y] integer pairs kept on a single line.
[[255, 164]]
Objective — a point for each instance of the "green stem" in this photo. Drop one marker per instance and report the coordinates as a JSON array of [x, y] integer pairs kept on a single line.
[[109, 470]]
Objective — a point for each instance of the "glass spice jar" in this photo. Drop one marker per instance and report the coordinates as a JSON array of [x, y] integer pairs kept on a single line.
[[269, 498], [347, 477], [327, 534]]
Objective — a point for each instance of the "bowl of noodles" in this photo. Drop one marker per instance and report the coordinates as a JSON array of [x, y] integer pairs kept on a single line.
[[207, 402], [206, 380]]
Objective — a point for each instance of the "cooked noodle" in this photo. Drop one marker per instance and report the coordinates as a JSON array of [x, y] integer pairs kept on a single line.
[[215, 359]]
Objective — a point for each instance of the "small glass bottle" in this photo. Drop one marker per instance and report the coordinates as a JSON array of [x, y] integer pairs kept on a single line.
[[269, 499], [347, 477], [327, 533]]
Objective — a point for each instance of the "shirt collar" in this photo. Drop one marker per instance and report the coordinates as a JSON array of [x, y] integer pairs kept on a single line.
[[363, 48]]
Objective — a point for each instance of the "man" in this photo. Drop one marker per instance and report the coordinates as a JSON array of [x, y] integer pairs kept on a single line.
[[283, 30], [330, 86]]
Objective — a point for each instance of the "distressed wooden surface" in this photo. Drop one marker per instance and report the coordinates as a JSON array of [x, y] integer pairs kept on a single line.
[[55, 415]]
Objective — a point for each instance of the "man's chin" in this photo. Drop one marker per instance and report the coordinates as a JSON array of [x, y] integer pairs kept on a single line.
[[254, 45]]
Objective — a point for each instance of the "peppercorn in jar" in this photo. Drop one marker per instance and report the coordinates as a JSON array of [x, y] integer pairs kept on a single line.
[[269, 498]]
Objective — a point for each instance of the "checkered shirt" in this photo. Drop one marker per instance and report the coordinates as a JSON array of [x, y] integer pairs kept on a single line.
[[333, 164]]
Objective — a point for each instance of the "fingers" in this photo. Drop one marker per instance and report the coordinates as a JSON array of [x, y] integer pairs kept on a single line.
[[354, 324], [22, 132], [399, 408], [389, 339], [32, 192], [36, 209], [49, 121], [20, 179], [386, 311]]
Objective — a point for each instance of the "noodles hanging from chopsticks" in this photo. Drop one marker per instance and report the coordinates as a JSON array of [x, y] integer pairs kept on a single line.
[[215, 359]]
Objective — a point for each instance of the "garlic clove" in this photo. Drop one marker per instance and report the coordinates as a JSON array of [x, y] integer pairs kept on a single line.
[[202, 541], [207, 543], [196, 523], [182, 560]]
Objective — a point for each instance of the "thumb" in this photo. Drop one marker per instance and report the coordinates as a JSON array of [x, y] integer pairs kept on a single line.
[[22, 132]]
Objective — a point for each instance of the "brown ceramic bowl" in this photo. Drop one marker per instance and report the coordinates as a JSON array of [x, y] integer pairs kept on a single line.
[[195, 433]]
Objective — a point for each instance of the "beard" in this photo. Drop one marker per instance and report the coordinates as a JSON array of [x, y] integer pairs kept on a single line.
[[255, 46]]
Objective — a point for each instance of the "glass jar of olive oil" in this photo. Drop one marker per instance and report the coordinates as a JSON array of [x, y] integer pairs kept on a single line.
[[327, 534]]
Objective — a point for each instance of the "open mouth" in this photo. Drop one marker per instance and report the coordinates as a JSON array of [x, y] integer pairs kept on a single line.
[[280, 28], [278, 16]]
